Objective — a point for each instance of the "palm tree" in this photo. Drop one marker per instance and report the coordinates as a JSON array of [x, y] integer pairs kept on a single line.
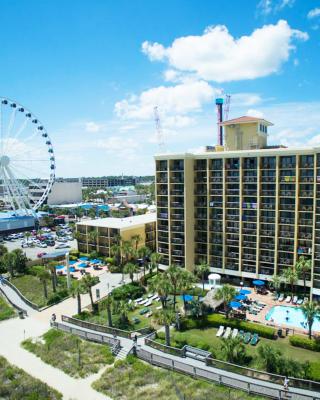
[[270, 357], [143, 253], [3, 250], [108, 303], [76, 290], [156, 259], [201, 270], [131, 269], [53, 271], [234, 350], [290, 275], [303, 267], [311, 311], [88, 282], [123, 310], [196, 308], [8, 260], [92, 237], [136, 240], [276, 282], [44, 276], [225, 293], [186, 280], [161, 285], [165, 318], [115, 251], [126, 250], [174, 276]]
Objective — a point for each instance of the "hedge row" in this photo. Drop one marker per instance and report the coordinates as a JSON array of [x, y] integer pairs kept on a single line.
[[215, 320], [305, 343]]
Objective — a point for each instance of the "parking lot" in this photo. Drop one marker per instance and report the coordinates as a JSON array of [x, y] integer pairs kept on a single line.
[[31, 252]]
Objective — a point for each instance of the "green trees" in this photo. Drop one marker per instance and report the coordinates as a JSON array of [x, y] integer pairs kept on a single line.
[[276, 282], [166, 318], [108, 303], [201, 270], [174, 276], [234, 350], [115, 251], [185, 282], [161, 285], [156, 259], [123, 310], [311, 311], [131, 269], [136, 239], [92, 237], [52, 269], [303, 268], [143, 253], [290, 276], [270, 357], [226, 293], [15, 262]]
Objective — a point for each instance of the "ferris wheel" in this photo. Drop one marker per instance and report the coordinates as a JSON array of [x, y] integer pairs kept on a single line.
[[27, 162]]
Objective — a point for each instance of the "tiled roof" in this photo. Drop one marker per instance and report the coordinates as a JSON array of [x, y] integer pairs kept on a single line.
[[245, 119]]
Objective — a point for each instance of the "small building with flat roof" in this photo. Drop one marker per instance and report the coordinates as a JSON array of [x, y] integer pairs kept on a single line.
[[101, 234]]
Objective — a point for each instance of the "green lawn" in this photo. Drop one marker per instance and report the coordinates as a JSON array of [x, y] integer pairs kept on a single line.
[[132, 379], [6, 311], [15, 384], [32, 288], [67, 352]]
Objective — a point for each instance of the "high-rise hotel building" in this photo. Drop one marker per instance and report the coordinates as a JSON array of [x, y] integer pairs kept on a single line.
[[247, 209]]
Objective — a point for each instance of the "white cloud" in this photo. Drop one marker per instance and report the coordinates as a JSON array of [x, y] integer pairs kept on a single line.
[[254, 113], [218, 56], [173, 101], [245, 99], [315, 12], [266, 7], [93, 127]]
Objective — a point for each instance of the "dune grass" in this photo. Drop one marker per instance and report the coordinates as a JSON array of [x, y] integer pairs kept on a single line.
[[132, 379], [69, 353], [15, 384], [6, 311]]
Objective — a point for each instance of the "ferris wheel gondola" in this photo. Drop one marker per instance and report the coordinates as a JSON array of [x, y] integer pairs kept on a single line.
[[27, 161]]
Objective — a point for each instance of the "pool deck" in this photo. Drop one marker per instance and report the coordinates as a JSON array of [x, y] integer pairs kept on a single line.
[[270, 302]]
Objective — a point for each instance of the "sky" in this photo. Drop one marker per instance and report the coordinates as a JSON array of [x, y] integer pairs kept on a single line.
[[93, 71]]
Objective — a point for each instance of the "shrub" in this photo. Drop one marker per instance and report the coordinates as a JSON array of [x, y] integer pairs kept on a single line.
[[73, 258], [305, 343], [74, 253], [109, 260], [215, 320], [58, 296], [129, 291], [116, 269], [161, 335]]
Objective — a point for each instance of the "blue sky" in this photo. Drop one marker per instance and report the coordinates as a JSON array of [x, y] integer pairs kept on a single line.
[[93, 71]]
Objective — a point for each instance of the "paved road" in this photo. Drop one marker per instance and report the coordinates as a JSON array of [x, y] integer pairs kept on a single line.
[[15, 299]]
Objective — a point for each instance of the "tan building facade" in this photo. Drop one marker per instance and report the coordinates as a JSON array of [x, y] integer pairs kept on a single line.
[[108, 230], [248, 213]]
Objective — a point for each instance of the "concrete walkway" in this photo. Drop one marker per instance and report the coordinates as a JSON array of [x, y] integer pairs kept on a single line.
[[14, 331], [15, 298]]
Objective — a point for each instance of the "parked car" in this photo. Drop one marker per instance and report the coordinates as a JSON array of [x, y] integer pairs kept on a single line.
[[39, 255], [62, 246]]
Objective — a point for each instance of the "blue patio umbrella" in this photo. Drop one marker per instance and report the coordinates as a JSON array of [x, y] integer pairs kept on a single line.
[[72, 269], [245, 291], [95, 261], [83, 258], [82, 265], [187, 297], [257, 282], [235, 304], [240, 297], [72, 262], [59, 266]]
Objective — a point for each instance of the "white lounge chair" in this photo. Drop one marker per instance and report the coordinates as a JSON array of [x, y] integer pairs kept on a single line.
[[159, 308], [288, 299], [295, 300], [300, 301], [234, 333], [148, 303], [220, 331], [227, 333], [281, 297], [150, 295], [154, 297]]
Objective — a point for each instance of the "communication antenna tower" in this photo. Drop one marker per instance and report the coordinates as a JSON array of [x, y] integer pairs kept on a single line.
[[160, 136]]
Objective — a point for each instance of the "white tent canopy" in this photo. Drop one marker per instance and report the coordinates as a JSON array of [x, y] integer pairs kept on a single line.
[[214, 280]]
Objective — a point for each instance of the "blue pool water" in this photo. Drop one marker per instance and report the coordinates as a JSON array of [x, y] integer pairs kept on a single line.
[[295, 316]]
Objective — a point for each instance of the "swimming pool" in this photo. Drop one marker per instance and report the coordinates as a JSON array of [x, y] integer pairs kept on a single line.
[[290, 316]]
